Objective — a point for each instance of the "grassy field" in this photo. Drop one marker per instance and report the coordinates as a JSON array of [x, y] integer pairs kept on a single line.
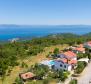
[[30, 61]]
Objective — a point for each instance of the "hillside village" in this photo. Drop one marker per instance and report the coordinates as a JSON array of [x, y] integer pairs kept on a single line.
[[61, 65]]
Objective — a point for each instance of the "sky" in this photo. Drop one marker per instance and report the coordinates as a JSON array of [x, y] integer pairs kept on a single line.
[[45, 12]]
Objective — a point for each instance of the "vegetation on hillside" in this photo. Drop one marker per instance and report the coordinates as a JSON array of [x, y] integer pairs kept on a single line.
[[10, 53]]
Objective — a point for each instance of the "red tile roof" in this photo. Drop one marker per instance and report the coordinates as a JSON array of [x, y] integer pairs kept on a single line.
[[89, 41], [72, 62], [80, 49], [27, 75], [69, 54], [64, 60]]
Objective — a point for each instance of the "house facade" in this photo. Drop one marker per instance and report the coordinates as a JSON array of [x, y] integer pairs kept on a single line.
[[62, 64]]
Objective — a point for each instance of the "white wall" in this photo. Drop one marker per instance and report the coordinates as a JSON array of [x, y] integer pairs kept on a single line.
[[64, 66], [69, 68], [75, 58]]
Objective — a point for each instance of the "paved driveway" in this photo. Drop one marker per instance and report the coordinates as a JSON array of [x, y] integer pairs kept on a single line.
[[85, 76]]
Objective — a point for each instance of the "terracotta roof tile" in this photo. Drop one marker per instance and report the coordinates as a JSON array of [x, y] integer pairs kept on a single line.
[[80, 49], [72, 62], [64, 60], [27, 75], [69, 54]]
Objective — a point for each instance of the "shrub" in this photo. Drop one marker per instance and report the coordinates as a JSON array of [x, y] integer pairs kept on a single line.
[[45, 81], [62, 75], [74, 81], [56, 51], [40, 70], [80, 67]]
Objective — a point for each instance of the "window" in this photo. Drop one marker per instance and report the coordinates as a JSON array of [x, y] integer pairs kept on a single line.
[[64, 66], [60, 65], [53, 66]]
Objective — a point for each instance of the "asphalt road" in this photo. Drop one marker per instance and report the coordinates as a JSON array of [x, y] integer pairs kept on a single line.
[[85, 76]]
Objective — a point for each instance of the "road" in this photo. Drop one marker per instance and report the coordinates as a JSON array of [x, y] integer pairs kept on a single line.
[[85, 75]]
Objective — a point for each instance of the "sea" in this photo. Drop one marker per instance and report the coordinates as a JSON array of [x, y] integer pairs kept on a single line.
[[8, 32]]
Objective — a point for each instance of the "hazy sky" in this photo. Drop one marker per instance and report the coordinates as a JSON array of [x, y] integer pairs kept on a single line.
[[45, 12]]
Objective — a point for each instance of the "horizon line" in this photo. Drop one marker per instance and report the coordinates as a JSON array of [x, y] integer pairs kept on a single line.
[[46, 24]]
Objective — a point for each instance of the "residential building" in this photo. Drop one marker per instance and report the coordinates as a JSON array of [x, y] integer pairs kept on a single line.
[[68, 55], [27, 75], [65, 61]]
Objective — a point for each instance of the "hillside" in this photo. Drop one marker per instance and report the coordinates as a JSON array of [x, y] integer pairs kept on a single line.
[[12, 55]]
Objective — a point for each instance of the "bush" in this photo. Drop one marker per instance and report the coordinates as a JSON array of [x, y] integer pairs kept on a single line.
[[80, 67], [18, 81], [56, 51], [40, 70], [74, 81], [53, 74], [24, 65], [82, 55], [45, 81], [62, 75]]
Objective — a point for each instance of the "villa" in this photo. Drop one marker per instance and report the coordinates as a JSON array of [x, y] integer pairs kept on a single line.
[[66, 61]]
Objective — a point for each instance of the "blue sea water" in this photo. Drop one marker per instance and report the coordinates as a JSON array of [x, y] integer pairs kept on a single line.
[[9, 32]]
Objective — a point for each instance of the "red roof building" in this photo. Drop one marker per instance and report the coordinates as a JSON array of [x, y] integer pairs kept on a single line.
[[27, 75], [69, 54], [64, 60], [81, 49]]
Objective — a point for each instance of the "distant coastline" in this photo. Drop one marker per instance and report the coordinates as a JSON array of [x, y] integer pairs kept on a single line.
[[29, 31]]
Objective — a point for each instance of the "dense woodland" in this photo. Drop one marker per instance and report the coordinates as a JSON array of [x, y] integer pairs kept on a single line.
[[10, 53]]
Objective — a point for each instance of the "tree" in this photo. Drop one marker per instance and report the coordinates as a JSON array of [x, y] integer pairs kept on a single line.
[[18, 81], [56, 51], [62, 75], [40, 70]]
